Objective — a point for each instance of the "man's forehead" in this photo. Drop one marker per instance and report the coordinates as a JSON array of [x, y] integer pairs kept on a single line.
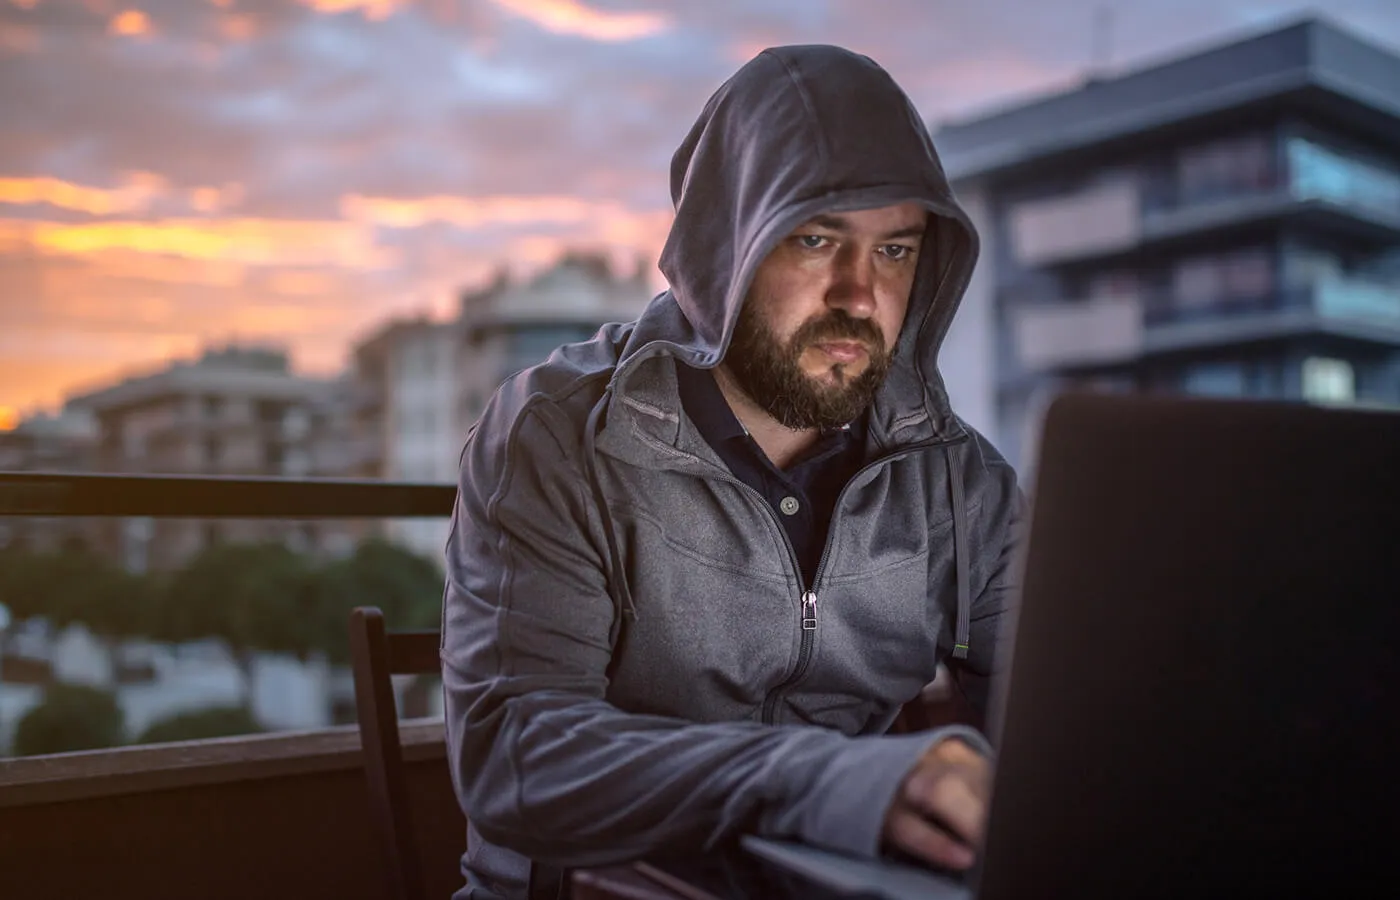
[[903, 220]]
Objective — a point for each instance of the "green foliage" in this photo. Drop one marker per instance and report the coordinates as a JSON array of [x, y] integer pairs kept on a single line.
[[75, 585], [253, 597], [194, 725], [407, 587], [71, 717]]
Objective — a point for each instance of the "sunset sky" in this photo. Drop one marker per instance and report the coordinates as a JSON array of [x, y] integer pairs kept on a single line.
[[180, 172]]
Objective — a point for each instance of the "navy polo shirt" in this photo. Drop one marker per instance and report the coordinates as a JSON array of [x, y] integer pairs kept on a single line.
[[804, 494]]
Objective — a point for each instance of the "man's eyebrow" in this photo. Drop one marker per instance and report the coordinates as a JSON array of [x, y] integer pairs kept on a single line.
[[842, 225]]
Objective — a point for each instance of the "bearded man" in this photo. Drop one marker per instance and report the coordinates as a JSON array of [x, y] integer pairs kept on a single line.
[[699, 563]]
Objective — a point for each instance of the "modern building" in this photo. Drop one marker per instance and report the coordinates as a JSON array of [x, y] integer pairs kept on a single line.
[[1225, 223], [233, 411]]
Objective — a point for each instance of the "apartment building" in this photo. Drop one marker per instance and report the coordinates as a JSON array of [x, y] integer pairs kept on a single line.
[[1224, 223], [233, 411]]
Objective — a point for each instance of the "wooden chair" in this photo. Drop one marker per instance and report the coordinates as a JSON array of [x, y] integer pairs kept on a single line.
[[376, 654]]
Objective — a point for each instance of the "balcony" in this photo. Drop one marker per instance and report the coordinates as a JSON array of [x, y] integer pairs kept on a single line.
[[1111, 333], [1360, 199], [1103, 333], [268, 815]]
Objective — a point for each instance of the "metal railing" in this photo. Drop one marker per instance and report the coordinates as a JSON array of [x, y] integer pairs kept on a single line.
[[63, 494]]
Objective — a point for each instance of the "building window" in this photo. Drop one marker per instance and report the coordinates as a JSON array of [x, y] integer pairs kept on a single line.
[[1242, 278], [1224, 379], [1226, 168], [1328, 380]]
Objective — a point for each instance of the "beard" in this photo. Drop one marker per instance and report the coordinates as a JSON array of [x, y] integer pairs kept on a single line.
[[769, 370]]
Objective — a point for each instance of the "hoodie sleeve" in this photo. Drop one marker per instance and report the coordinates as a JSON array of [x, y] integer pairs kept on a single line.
[[999, 521], [541, 762]]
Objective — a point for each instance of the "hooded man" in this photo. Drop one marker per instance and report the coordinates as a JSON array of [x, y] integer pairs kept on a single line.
[[699, 563]]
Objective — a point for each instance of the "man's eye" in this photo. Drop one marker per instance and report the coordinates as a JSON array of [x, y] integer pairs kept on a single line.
[[811, 241], [898, 251]]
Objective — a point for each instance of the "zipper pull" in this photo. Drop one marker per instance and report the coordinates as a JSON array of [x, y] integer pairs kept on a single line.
[[809, 611]]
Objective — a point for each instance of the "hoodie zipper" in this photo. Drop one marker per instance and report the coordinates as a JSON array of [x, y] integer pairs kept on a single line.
[[808, 615]]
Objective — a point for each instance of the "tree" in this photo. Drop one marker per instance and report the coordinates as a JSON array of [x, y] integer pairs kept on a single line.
[[407, 587], [253, 597], [71, 717], [75, 585], [194, 725], [24, 583]]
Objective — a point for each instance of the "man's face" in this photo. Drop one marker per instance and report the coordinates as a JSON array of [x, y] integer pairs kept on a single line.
[[818, 327]]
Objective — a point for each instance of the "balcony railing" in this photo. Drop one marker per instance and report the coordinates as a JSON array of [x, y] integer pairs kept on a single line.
[[209, 497], [1108, 332], [1113, 220]]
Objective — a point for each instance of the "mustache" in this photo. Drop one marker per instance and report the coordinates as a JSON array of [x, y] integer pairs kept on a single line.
[[839, 326]]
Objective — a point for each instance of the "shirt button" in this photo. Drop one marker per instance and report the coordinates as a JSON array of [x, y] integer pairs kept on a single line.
[[788, 505]]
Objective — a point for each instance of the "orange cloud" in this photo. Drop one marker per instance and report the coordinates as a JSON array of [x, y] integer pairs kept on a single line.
[[256, 242], [372, 9], [140, 189], [238, 27], [130, 23], [572, 17], [465, 212], [213, 199], [302, 284], [152, 269]]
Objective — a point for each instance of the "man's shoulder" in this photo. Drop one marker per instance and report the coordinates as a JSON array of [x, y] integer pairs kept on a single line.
[[555, 397]]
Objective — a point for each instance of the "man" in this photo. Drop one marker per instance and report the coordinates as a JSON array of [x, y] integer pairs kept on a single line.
[[698, 564]]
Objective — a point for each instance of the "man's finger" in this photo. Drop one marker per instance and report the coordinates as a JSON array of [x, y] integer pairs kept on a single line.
[[916, 836], [952, 799]]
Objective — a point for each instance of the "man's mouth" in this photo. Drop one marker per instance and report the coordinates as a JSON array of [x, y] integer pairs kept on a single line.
[[843, 351]]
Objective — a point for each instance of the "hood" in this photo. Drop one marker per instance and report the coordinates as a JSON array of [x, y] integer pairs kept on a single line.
[[798, 131]]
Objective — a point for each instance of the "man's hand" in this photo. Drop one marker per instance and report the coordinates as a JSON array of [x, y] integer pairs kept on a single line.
[[941, 808]]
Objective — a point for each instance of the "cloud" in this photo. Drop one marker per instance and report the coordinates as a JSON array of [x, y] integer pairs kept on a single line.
[[257, 242], [475, 212], [240, 166], [139, 191], [131, 23], [372, 9], [574, 18]]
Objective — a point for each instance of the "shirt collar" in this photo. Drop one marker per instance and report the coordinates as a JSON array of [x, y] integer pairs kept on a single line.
[[704, 403]]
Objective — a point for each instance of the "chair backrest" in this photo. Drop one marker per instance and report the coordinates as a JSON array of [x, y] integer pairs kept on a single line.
[[376, 654]]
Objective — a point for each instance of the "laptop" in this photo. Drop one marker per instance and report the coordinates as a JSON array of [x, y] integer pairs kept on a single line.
[[1203, 693]]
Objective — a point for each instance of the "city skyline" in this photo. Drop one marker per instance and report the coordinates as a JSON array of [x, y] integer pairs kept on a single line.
[[177, 174]]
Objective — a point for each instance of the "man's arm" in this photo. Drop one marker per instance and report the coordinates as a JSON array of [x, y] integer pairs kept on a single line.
[[541, 762]]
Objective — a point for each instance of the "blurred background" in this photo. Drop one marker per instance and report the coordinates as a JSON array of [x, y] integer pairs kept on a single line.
[[308, 238]]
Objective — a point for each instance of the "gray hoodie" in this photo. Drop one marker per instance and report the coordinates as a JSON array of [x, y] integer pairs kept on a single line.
[[631, 664]]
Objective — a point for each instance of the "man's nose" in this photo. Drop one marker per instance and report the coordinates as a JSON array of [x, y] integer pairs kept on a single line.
[[853, 285]]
